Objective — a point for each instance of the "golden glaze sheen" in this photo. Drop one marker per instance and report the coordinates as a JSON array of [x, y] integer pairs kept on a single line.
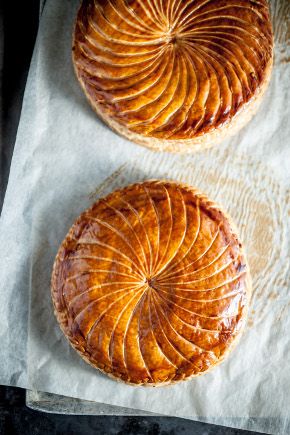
[[151, 285], [174, 74]]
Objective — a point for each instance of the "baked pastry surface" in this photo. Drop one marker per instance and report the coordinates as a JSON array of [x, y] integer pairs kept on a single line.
[[174, 75], [151, 284]]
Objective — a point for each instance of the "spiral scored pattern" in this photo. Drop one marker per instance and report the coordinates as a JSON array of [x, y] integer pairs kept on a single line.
[[151, 285], [173, 70]]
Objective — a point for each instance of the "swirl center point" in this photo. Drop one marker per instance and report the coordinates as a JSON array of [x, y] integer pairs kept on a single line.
[[150, 282], [171, 36]]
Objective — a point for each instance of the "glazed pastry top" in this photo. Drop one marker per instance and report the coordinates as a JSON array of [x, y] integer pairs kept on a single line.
[[151, 284], [172, 69]]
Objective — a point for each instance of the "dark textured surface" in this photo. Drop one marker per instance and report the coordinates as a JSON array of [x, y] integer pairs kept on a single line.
[[15, 417], [15, 55]]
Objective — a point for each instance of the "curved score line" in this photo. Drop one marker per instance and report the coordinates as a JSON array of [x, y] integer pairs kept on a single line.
[[107, 284], [170, 230], [216, 272], [182, 239], [163, 332], [105, 245], [167, 275], [144, 229], [191, 245], [110, 260], [116, 231], [110, 352], [153, 333], [197, 314], [189, 325], [230, 281], [100, 317], [123, 217], [158, 227], [181, 336]]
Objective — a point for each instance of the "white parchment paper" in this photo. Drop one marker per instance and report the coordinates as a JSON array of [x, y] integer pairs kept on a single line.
[[65, 158]]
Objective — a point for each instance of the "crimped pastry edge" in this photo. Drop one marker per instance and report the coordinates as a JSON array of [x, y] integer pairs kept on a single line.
[[60, 315]]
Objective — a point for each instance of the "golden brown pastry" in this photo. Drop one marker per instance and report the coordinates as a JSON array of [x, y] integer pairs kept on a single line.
[[151, 285], [174, 75]]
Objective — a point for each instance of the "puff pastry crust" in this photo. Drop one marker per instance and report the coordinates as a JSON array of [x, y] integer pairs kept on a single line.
[[151, 284], [174, 75]]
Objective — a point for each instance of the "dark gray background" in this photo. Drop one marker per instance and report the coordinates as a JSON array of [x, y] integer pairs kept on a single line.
[[18, 28]]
